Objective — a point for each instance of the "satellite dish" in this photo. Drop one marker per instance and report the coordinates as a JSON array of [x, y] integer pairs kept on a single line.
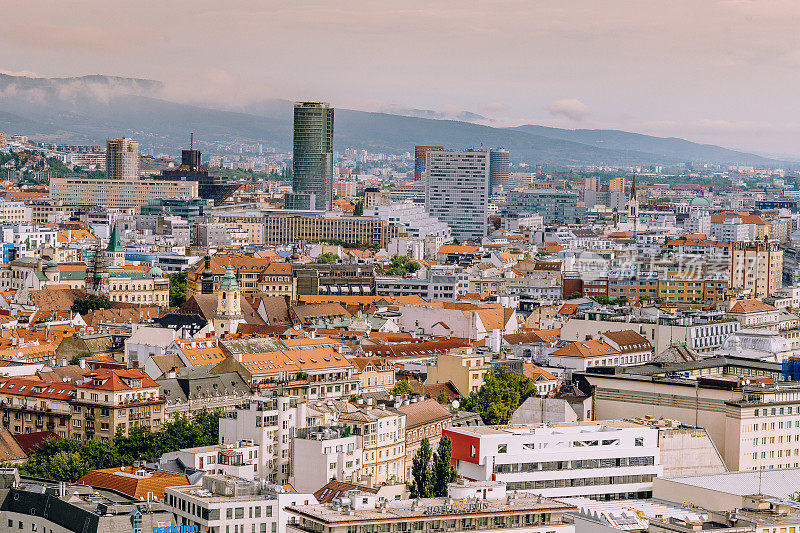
[[455, 404]]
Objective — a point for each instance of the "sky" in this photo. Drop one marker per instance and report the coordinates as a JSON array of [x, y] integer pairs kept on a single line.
[[718, 71]]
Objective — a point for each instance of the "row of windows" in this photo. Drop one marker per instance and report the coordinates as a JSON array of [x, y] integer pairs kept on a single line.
[[612, 462], [579, 482]]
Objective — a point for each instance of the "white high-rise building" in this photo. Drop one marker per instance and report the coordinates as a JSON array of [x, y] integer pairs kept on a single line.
[[457, 191]]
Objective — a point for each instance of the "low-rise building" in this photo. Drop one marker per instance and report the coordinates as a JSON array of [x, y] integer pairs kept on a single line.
[[321, 454], [424, 420], [602, 459]]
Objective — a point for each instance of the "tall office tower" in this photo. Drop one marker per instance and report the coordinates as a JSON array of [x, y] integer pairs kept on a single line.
[[312, 163], [499, 163], [419, 159], [457, 191], [122, 159]]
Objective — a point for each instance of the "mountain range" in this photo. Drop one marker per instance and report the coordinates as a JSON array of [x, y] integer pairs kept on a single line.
[[91, 109]]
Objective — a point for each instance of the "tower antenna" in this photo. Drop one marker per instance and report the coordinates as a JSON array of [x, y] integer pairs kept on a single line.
[[191, 140]]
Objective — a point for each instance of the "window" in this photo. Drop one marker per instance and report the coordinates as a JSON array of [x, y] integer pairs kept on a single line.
[[502, 448], [639, 441]]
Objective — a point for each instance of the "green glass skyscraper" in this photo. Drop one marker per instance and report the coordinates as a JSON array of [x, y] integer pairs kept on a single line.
[[312, 163]]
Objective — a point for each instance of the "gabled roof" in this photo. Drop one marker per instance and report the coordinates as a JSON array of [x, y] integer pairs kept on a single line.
[[593, 348], [628, 341], [750, 306], [117, 380], [423, 413]]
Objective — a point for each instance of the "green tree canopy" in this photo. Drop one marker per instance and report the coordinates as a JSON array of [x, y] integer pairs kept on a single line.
[[327, 257], [90, 303], [400, 265], [177, 288], [502, 392], [402, 387], [442, 470], [422, 482]]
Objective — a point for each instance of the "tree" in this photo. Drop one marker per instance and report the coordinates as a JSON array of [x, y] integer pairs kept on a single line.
[[401, 387], [503, 390], [400, 265], [327, 257], [358, 210], [421, 483], [573, 296], [76, 359], [443, 397], [90, 303], [442, 471], [177, 288], [602, 299]]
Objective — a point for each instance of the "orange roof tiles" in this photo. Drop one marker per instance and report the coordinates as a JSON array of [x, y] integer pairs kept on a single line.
[[593, 348], [125, 479]]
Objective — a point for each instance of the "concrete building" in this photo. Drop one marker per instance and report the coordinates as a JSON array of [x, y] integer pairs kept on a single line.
[[119, 193], [226, 504], [469, 506], [552, 205], [756, 268], [122, 159], [383, 441], [322, 454], [29, 504], [457, 191], [237, 459], [417, 222], [13, 212], [269, 423], [499, 165], [312, 159], [754, 423], [420, 159], [607, 458]]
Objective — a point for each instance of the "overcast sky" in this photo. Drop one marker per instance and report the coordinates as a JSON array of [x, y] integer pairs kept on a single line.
[[725, 72]]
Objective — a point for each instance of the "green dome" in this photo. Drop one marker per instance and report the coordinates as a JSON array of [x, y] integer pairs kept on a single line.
[[699, 201], [156, 272]]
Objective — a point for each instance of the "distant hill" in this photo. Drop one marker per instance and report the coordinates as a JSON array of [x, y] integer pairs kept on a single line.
[[91, 109]]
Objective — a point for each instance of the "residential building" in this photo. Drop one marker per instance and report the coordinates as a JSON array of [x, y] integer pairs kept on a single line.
[[312, 157], [122, 159], [269, 421], [383, 442], [457, 191], [756, 268], [110, 401], [237, 459], [425, 419], [375, 374], [29, 405], [468, 506], [623, 347], [600, 460], [464, 368], [321, 454], [12, 212], [190, 390]]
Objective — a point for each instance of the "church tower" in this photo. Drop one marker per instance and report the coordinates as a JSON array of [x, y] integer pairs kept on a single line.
[[114, 253], [207, 280], [633, 202], [229, 305]]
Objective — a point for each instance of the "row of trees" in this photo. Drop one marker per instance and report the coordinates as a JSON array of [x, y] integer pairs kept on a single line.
[[68, 459], [432, 471]]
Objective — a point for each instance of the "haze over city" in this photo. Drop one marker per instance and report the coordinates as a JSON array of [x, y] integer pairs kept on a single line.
[[721, 72]]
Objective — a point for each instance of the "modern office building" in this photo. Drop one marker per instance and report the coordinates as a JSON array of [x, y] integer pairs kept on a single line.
[[118, 193], [419, 159], [312, 163], [754, 422], [499, 165], [417, 221], [553, 205], [457, 191], [609, 459], [122, 159]]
